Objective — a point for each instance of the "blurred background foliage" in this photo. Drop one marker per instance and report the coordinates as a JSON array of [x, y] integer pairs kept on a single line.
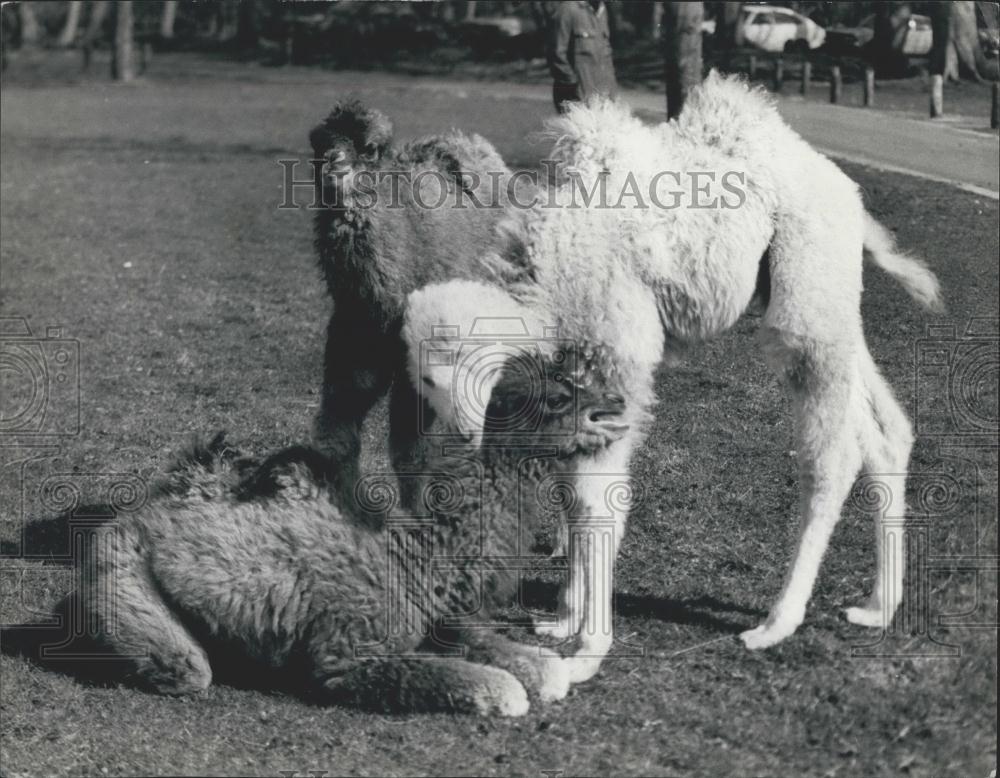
[[371, 34]]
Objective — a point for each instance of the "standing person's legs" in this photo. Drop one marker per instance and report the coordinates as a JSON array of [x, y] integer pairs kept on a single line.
[[563, 94]]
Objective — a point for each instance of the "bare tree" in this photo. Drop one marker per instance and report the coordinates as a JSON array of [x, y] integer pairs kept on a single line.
[[682, 51], [728, 21], [956, 50], [247, 26], [95, 25], [74, 10], [537, 14], [167, 19], [656, 21], [123, 52], [964, 54], [228, 21], [30, 31]]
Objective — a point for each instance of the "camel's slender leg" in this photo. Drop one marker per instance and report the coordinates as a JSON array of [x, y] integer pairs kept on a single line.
[[828, 394], [358, 366], [887, 440], [595, 532]]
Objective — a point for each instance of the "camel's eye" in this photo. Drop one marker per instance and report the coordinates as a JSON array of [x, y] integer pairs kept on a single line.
[[558, 401], [370, 151]]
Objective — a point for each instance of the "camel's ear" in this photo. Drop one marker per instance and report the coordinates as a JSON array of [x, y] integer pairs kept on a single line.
[[378, 134], [368, 130], [319, 139]]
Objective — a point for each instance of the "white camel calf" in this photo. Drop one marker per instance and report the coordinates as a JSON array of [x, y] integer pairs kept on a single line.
[[637, 280]]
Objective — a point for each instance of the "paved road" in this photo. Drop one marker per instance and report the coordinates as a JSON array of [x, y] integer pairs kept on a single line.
[[884, 140], [929, 149], [894, 142]]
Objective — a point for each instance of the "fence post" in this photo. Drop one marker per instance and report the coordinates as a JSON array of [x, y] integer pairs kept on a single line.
[[835, 84], [779, 73], [869, 87], [995, 109], [806, 76], [753, 66], [937, 96]]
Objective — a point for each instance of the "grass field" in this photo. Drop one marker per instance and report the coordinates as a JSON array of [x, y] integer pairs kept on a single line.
[[142, 220]]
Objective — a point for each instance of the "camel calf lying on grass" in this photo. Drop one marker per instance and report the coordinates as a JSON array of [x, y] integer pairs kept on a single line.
[[276, 569]]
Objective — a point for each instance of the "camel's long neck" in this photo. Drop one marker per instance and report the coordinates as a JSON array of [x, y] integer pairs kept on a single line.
[[491, 500], [467, 556], [343, 238], [348, 248]]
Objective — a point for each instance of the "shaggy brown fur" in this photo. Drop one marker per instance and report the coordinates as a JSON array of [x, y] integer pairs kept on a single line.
[[376, 248], [264, 562]]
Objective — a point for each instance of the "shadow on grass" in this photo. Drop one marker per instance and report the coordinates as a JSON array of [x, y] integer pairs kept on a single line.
[[50, 538], [64, 646], [64, 642], [703, 611]]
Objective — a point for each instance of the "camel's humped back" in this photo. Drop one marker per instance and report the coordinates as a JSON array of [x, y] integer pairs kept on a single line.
[[723, 116]]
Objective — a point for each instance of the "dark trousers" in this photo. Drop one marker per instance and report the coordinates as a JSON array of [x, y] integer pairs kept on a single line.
[[562, 94]]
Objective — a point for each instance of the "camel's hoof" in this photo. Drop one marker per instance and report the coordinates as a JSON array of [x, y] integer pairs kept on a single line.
[[503, 696], [765, 636], [555, 677], [560, 629], [583, 668], [866, 617]]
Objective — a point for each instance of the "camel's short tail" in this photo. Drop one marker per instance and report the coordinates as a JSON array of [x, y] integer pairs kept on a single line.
[[918, 280]]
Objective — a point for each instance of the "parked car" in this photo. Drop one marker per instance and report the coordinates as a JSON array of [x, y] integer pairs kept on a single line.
[[989, 40], [913, 40], [772, 28]]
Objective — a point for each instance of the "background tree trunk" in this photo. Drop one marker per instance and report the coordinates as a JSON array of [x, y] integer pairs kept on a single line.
[[965, 54], [167, 19], [656, 22], [682, 51], [228, 16], [247, 26], [538, 15], [95, 25], [941, 29], [446, 12], [123, 53], [30, 31], [74, 9], [727, 22]]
